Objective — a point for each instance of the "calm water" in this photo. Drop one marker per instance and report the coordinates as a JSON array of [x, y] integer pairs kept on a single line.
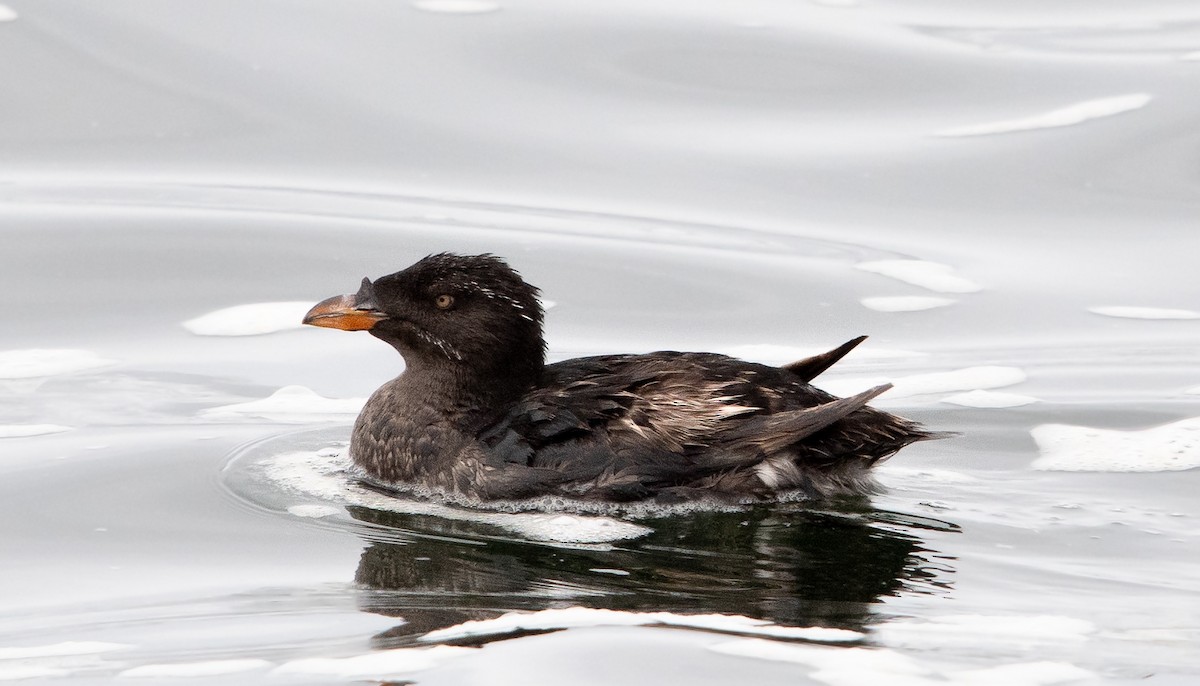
[[706, 176]]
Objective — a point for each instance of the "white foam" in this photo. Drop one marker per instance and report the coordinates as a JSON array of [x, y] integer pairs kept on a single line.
[[929, 275], [378, 666], [327, 477], [567, 528], [605, 570], [291, 404], [314, 511], [33, 363], [1170, 447], [1191, 56], [7, 13], [905, 303], [456, 6], [1144, 312], [59, 649], [250, 320], [969, 378], [1193, 391], [990, 399], [578, 617], [1064, 116], [26, 430], [196, 669]]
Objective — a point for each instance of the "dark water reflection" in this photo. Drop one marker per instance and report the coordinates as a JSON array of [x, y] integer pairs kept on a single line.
[[784, 564]]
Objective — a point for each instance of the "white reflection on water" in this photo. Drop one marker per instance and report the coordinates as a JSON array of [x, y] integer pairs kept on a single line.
[[252, 319], [1065, 116]]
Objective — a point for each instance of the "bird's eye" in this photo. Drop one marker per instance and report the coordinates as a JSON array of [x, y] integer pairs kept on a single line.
[[444, 301]]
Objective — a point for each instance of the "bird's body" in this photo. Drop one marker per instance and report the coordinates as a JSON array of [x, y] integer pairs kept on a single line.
[[478, 416]]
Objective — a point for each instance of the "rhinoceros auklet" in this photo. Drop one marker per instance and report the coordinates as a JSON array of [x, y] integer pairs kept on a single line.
[[478, 415]]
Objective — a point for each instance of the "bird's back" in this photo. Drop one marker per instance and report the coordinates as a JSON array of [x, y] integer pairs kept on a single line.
[[679, 425]]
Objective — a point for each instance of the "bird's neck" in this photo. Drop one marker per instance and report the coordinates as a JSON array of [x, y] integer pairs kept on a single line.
[[468, 391]]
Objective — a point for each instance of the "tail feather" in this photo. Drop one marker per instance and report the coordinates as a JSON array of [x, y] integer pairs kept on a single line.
[[923, 434], [772, 433], [811, 367]]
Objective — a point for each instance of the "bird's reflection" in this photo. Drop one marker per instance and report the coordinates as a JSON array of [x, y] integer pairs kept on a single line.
[[787, 565]]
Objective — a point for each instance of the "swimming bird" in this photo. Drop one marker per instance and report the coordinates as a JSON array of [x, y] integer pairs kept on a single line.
[[477, 415]]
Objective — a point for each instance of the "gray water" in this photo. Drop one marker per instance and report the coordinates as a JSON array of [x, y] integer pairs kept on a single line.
[[700, 176]]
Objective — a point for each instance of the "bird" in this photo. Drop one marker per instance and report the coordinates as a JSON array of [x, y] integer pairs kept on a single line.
[[477, 416]]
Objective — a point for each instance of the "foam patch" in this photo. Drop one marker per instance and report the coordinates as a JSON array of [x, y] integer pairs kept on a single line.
[[314, 511], [328, 477], [929, 275], [578, 617], [290, 404], [1064, 116], [1170, 447], [7, 13], [250, 320]]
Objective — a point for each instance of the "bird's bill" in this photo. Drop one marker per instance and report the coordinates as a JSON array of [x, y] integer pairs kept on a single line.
[[343, 312]]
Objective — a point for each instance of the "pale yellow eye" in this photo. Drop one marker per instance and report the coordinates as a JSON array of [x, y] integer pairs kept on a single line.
[[444, 301]]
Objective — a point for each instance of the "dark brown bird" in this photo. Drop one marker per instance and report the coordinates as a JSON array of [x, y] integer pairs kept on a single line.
[[477, 414]]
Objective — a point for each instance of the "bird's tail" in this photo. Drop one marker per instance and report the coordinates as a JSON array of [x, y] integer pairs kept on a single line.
[[811, 367]]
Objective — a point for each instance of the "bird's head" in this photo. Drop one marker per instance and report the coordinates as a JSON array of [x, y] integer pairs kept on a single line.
[[472, 312]]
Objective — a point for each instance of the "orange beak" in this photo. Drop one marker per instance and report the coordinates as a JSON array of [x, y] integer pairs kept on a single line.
[[342, 312]]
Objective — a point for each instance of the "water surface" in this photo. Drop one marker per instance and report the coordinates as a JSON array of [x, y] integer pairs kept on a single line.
[[704, 177]]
